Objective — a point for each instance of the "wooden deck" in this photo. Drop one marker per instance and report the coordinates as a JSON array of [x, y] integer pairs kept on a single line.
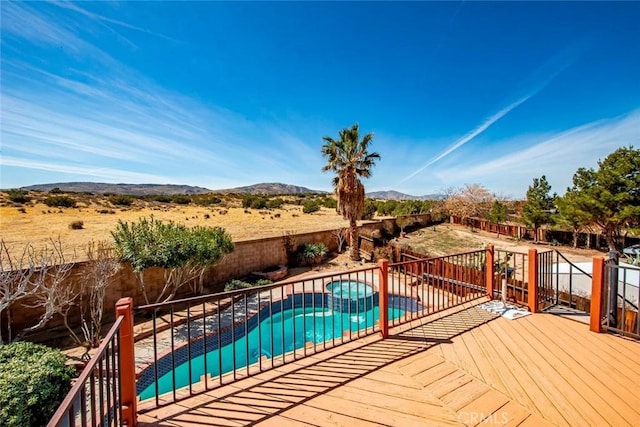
[[461, 367]]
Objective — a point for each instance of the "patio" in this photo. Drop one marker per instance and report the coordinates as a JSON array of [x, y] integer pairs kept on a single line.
[[463, 366]]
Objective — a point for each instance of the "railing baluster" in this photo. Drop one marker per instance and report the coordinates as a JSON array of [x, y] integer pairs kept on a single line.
[[259, 334], [204, 345], [190, 366], [101, 388], [271, 325], [233, 335], [246, 331], [173, 357], [155, 357], [83, 405], [219, 334]]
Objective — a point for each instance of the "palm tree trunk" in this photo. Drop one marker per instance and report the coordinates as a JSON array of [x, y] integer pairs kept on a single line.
[[354, 249]]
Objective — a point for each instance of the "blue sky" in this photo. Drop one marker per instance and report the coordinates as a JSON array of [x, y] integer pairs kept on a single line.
[[220, 94]]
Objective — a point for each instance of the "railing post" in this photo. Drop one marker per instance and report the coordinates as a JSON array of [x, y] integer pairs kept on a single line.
[[597, 292], [383, 294], [490, 271], [534, 280], [128, 399], [612, 285]]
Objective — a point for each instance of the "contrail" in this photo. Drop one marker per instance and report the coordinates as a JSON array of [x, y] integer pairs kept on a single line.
[[468, 137], [559, 62]]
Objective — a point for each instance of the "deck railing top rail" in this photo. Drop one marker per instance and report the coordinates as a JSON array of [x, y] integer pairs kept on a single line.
[[66, 409], [573, 265], [226, 294]]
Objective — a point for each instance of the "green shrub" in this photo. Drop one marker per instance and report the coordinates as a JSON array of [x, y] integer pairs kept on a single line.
[[207, 200], [55, 190], [18, 196], [33, 382], [253, 201], [274, 203], [161, 198], [310, 206], [60, 202], [259, 203], [330, 202], [121, 200], [234, 284], [311, 253], [181, 199], [369, 209]]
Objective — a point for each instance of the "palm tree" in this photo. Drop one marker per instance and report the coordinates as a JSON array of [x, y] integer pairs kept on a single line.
[[349, 159]]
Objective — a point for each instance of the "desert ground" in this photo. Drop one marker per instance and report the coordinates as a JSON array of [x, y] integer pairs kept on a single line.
[[445, 239], [38, 224]]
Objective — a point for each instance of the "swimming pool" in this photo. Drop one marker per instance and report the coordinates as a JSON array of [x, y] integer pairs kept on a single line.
[[276, 334]]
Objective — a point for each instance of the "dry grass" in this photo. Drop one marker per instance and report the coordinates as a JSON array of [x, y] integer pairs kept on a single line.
[[446, 239], [38, 224]]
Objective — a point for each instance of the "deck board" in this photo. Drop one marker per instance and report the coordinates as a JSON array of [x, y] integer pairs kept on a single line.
[[458, 368], [589, 384]]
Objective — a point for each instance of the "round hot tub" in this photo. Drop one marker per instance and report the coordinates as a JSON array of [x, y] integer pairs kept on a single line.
[[350, 295]]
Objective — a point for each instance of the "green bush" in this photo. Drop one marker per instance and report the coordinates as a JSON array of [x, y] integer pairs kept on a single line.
[[274, 203], [207, 200], [60, 202], [18, 196], [121, 200], [181, 199], [33, 382], [259, 203], [55, 190], [330, 202], [310, 206], [161, 198], [232, 285], [253, 201], [311, 253], [369, 209]]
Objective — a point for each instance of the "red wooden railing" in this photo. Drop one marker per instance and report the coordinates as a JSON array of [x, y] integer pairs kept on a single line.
[[104, 393]]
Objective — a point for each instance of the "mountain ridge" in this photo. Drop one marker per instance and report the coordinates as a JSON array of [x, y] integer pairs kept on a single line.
[[263, 188], [167, 189], [396, 195]]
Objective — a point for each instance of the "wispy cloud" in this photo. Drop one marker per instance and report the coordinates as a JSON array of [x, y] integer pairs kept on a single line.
[[541, 78], [107, 124], [557, 156], [109, 174], [468, 137]]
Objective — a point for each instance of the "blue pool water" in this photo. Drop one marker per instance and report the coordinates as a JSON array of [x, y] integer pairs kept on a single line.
[[272, 338], [350, 289]]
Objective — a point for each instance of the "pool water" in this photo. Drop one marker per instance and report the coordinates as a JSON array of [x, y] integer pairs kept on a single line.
[[277, 334], [350, 289]]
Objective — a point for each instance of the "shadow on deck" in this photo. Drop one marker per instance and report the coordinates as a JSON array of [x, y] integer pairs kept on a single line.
[[461, 367]]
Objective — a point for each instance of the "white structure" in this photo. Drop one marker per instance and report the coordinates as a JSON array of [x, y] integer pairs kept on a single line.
[[581, 283]]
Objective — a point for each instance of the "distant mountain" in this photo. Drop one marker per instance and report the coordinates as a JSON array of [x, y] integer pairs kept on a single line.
[[132, 189], [269, 188], [396, 195], [168, 189]]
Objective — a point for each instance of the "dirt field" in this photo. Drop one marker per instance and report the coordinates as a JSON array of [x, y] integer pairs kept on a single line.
[[40, 223], [448, 239]]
